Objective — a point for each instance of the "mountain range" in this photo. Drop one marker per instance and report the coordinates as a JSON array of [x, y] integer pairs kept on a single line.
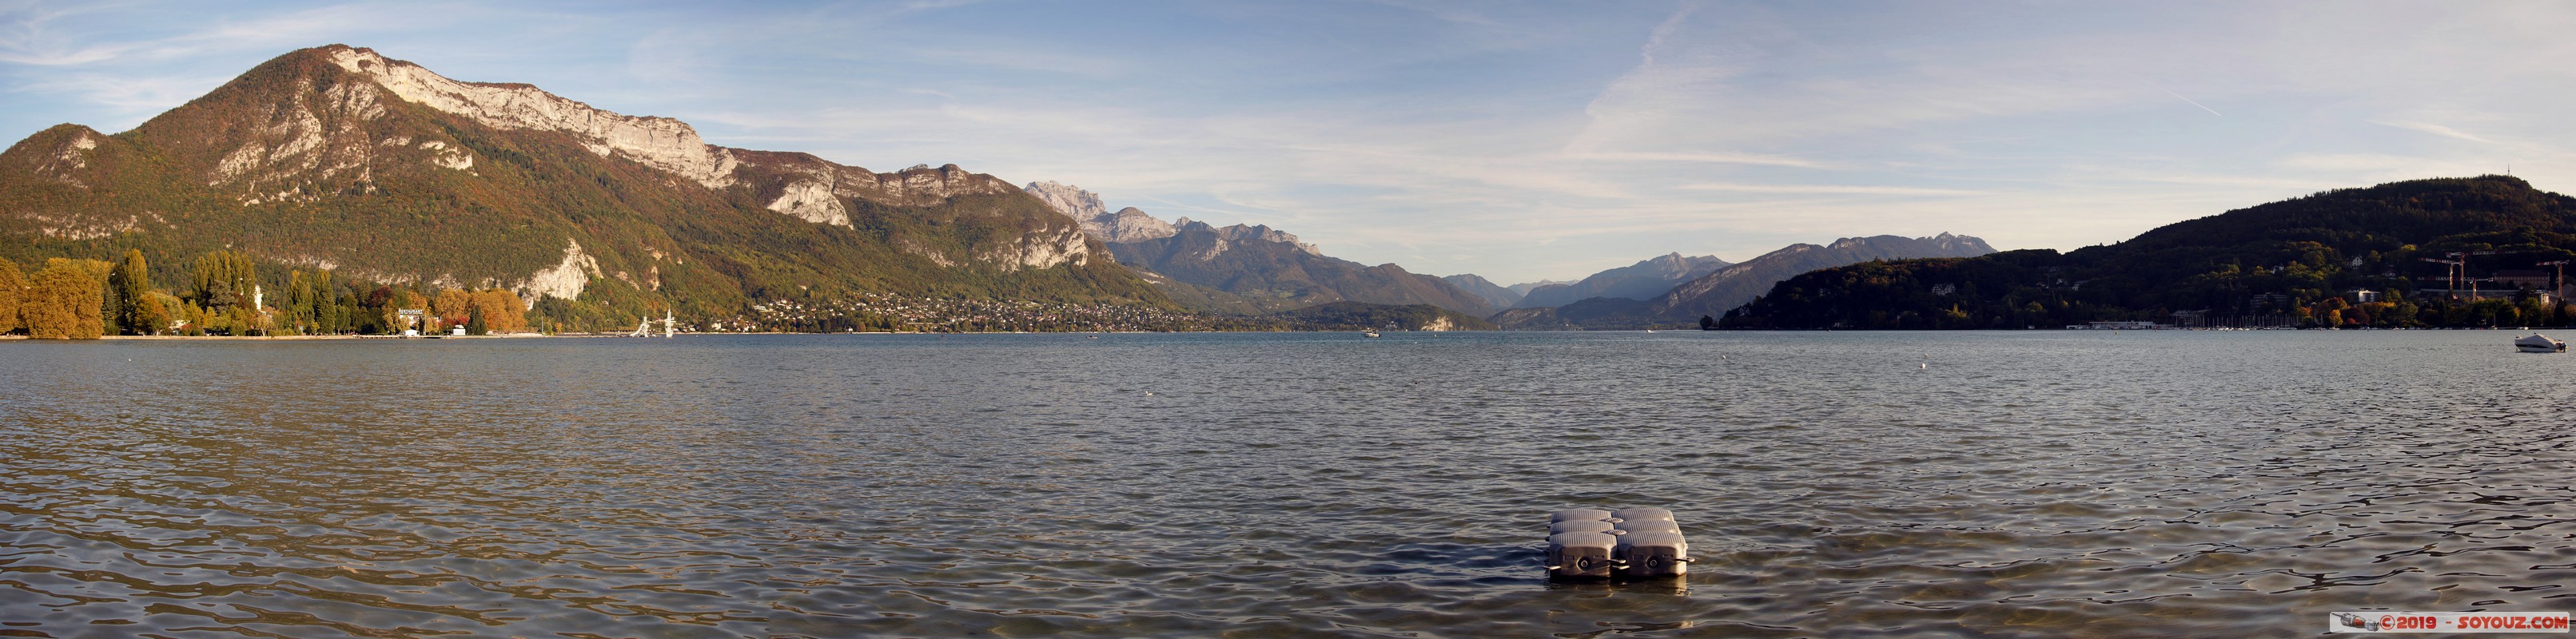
[[1247, 269], [1643, 280], [340, 158], [1727, 287]]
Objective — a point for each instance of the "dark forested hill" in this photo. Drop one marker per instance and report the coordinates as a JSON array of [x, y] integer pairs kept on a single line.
[[2350, 257]]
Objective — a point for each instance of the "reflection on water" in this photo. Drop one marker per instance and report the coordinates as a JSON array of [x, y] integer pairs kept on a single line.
[[1848, 484]]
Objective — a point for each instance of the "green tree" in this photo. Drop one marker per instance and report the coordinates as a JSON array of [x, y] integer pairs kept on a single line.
[[474, 324], [324, 305], [224, 279], [129, 290], [63, 303], [299, 302]]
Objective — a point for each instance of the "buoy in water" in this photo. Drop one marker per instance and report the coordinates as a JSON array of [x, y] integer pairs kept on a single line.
[[1629, 543]]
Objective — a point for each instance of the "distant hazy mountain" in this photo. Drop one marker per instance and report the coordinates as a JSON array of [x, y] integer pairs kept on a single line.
[[1640, 281], [1716, 293], [1734, 285], [1524, 288], [1501, 297], [1272, 271], [1246, 269]]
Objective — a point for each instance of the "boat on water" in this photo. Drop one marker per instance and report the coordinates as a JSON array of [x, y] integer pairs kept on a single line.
[[2538, 343], [1369, 334]]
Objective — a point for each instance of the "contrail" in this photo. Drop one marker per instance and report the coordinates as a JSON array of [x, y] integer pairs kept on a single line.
[[2178, 96]]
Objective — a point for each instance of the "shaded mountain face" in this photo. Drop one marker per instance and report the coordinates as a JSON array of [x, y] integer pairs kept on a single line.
[[1732, 286], [1497, 295], [340, 158], [2299, 257], [1524, 288], [1269, 271], [1641, 281]]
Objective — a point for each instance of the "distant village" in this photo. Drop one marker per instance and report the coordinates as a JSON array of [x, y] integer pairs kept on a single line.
[[2506, 297]]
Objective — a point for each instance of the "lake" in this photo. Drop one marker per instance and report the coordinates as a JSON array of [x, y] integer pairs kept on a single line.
[[1845, 484]]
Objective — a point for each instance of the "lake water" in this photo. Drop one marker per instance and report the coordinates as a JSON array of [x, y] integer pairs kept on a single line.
[[2039, 484]]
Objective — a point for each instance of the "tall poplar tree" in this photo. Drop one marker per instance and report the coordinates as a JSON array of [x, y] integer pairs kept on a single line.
[[299, 302], [323, 305], [129, 289], [224, 279]]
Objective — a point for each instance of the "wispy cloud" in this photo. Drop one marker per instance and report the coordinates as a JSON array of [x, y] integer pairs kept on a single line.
[[2435, 129], [1709, 157], [1825, 189]]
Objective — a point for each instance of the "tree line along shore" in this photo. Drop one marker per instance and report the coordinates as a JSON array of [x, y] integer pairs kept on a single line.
[[229, 293], [87, 299]]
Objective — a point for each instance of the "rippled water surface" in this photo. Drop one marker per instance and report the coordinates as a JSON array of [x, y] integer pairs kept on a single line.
[[2042, 484]]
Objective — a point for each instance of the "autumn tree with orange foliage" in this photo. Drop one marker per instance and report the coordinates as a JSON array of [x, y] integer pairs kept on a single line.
[[12, 287], [502, 311], [451, 306], [63, 302]]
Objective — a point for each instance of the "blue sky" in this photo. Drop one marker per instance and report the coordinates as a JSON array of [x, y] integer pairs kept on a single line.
[[1515, 140]]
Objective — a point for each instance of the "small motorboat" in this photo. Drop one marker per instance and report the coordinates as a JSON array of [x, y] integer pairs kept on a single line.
[[2538, 343], [1369, 334]]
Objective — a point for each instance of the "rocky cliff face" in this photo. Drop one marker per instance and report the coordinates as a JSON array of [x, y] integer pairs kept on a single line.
[[339, 157], [1251, 233], [663, 143], [1070, 200], [1128, 225]]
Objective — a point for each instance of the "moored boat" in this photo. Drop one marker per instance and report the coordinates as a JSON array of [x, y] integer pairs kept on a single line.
[[2538, 343]]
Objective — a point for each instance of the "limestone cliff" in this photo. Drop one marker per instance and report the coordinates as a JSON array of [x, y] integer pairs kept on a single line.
[[342, 158]]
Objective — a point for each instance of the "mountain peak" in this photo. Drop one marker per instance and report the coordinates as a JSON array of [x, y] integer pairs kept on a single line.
[[1068, 199]]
